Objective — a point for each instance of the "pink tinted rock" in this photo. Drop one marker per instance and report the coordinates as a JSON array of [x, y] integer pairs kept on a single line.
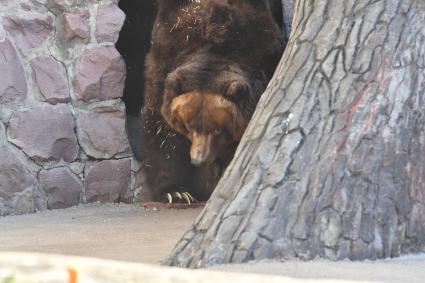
[[29, 30], [107, 180], [100, 75], [13, 85], [62, 187], [45, 133], [109, 22], [76, 24], [50, 78], [101, 132], [15, 176]]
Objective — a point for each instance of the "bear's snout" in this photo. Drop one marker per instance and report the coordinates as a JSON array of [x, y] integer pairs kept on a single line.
[[201, 149]]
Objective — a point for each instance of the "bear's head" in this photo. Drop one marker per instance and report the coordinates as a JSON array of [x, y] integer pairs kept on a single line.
[[210, 121]]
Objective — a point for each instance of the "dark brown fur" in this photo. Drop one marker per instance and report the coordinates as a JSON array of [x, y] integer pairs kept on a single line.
[[226, 47]]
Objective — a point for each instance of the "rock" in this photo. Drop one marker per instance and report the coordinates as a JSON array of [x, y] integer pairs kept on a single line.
[[40, 199], [45, 133], [77, 168], [2, 33], [38, 41], [64, 4], [101, 132], [3, 140], [134, 128], [22, 203], [62, 187], [109, 22], [76, 24], [127, 196], [50, 78], [26, 6], [13, 85], [29, 29], [15, 176], [107, 180], [142, 191], [100, 75], [17, 183]]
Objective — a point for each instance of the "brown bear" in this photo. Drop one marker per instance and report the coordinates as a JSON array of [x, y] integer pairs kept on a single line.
[[209, 62]]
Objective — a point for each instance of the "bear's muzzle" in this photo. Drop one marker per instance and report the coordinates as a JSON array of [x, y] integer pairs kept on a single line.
[[201, 150]]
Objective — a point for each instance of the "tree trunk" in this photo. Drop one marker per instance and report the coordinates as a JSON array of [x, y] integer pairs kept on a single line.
[[332, 164]]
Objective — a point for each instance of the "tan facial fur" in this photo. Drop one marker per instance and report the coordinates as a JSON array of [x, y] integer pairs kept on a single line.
[[209, 120]]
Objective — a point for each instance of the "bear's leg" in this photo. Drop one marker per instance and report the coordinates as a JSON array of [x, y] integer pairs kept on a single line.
[[167, 160], [204, 180]]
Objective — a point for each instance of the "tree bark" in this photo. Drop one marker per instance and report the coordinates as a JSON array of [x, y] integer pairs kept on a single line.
[[332, 164]]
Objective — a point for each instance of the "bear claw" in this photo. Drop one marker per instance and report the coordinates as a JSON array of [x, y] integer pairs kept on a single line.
[[184, 196]]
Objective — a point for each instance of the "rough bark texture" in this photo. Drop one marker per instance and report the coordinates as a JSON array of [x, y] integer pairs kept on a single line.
[[332, 164]]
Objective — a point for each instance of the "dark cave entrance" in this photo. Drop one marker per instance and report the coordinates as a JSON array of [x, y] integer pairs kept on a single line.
[[133, 44]]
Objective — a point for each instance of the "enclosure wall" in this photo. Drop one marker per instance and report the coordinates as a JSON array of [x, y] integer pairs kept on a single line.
[[62, 120]]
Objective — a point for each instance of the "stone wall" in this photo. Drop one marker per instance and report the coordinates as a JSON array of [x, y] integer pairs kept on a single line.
[[62, 122]]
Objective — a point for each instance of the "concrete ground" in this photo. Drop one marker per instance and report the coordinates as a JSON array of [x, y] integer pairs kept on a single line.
[[131, 233], [112, 231]]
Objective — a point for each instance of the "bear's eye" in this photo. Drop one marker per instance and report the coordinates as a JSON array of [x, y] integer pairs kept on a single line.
[[217, 131]]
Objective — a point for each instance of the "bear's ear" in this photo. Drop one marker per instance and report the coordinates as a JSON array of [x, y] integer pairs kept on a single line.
[[174, 120], [173, 83], [178, 113], [238, 122], [237, 90]]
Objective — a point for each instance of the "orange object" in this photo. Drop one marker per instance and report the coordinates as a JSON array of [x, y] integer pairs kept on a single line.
[[73, 275]]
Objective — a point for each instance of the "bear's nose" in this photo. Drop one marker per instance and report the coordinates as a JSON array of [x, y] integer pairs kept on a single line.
[[197, 162]]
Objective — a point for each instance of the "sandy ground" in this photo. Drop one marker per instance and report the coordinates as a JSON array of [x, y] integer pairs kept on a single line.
[[130, 233], [113, 231]]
